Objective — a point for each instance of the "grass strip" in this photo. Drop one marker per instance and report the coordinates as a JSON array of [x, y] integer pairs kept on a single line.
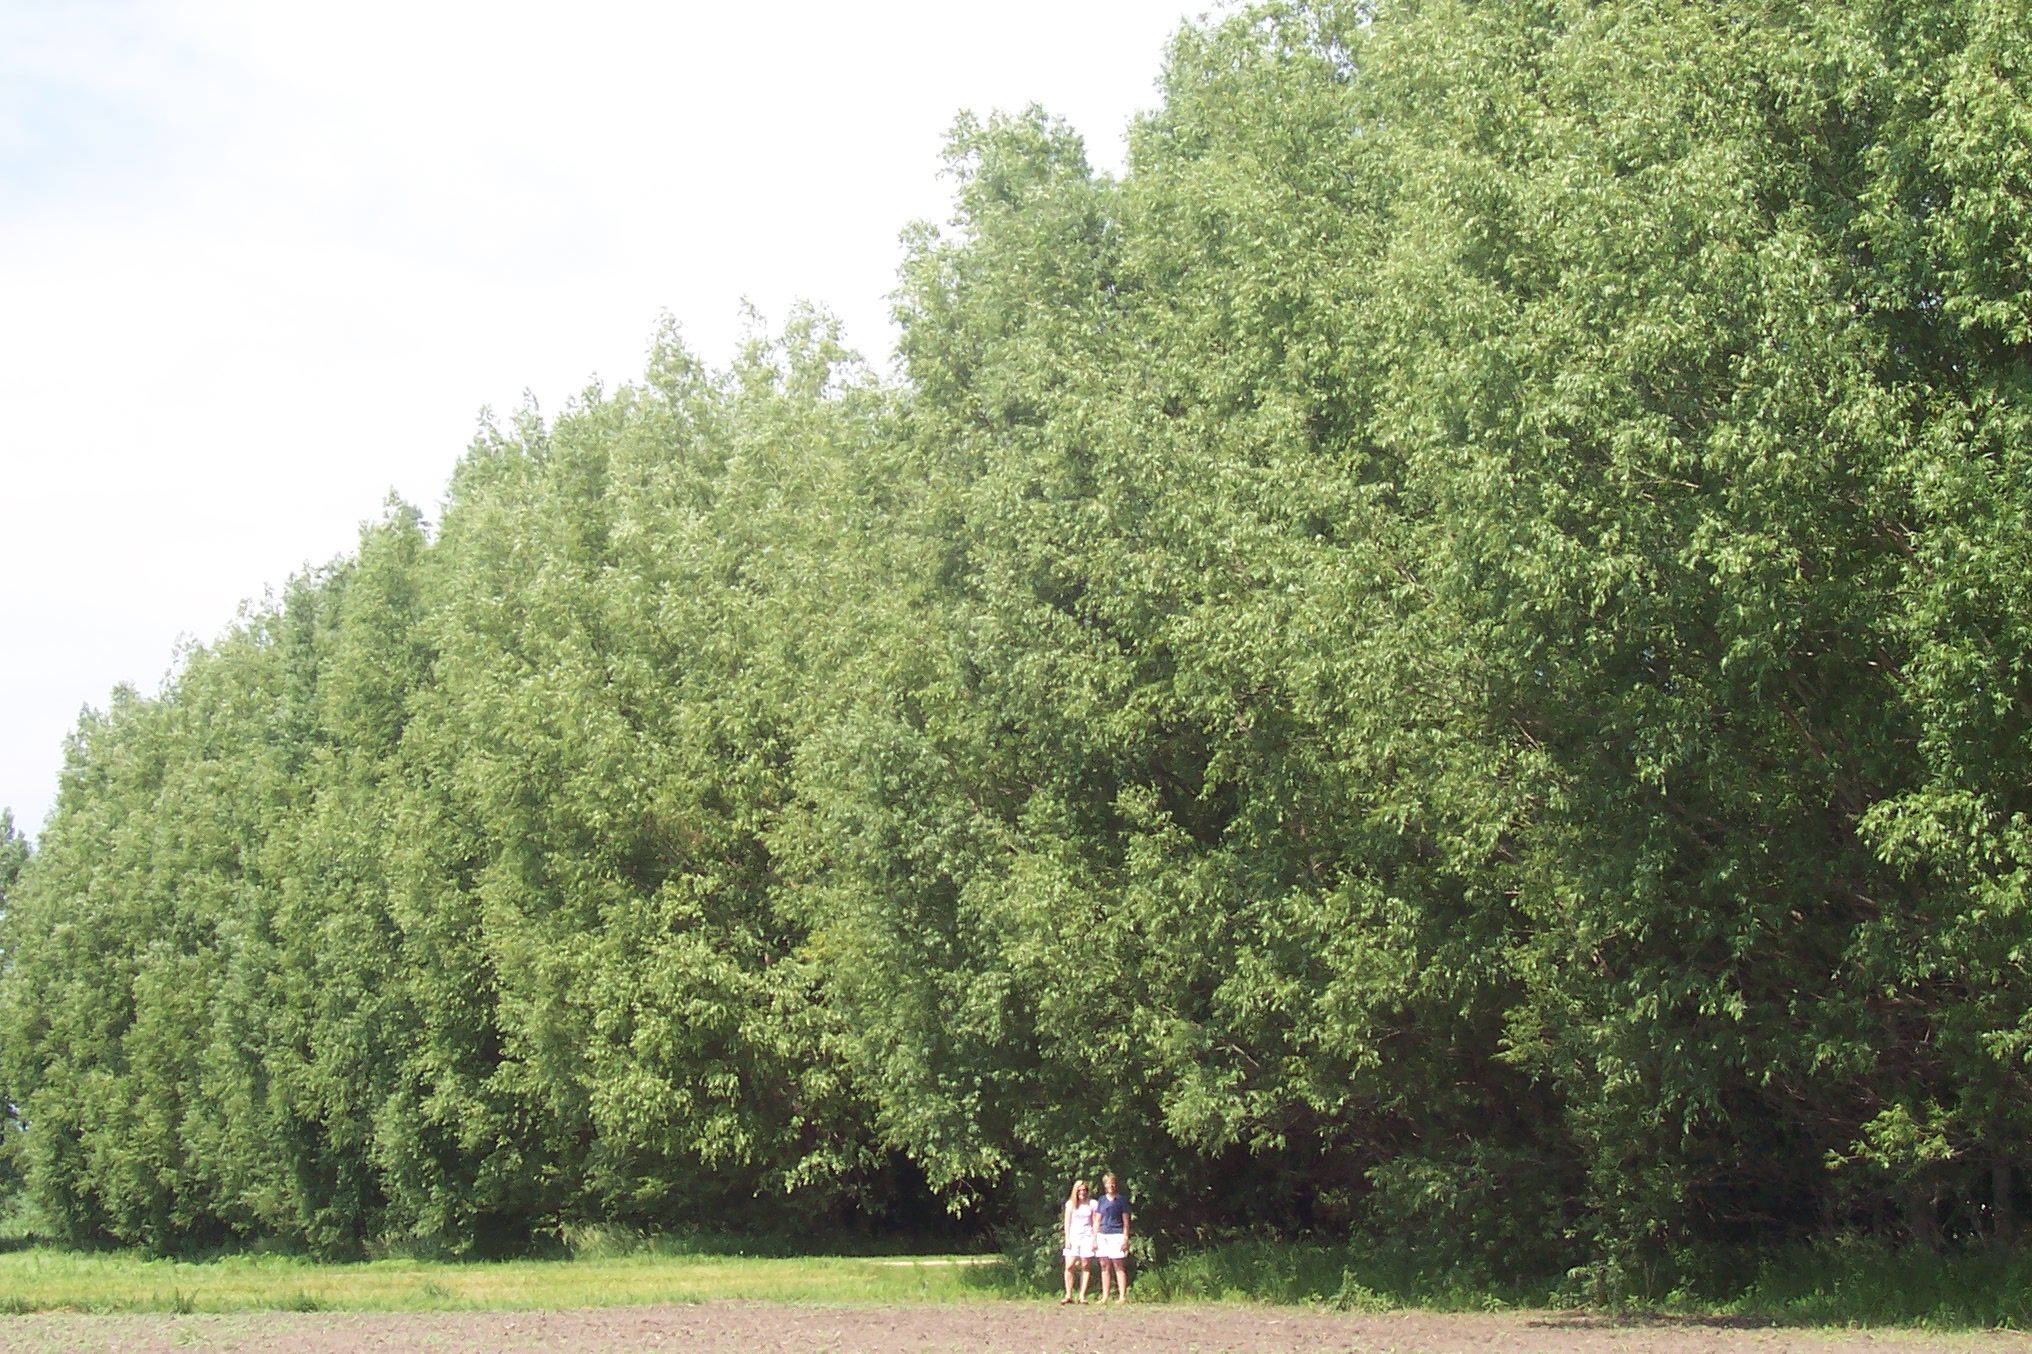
[[48, 1279], [1859, 1284]]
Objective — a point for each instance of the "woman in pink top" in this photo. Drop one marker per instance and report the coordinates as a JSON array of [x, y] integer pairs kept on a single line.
[[1079, 1241]]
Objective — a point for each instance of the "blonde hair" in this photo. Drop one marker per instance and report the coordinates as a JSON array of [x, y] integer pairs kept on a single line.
[[1073, 1197]]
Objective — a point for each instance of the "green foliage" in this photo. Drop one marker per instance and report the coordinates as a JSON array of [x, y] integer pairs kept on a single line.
[[1855, 1282], [1344, 1277], [14, 853], [1443, 661]]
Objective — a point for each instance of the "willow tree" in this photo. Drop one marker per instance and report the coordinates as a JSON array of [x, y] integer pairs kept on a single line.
[[1429, 700]]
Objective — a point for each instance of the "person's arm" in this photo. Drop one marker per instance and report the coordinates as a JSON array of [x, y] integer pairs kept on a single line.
[[1127, 1214]]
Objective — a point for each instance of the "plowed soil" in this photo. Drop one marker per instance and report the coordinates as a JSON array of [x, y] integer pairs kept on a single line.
[[1043, 1328]]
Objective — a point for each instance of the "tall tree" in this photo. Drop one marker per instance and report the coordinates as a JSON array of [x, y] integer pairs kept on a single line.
[[14, 853]]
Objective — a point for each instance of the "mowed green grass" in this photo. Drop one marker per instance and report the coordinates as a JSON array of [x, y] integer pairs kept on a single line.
[[47, 1279], [1850, 1285]]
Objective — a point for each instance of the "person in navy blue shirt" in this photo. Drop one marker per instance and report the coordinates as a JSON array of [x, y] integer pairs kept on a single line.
[[1111, 1220]]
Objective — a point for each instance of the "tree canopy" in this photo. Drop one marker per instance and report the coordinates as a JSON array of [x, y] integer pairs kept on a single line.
[[1446, 657]]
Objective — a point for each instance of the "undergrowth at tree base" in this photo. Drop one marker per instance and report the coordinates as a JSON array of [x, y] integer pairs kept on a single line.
[[1843, 1282]]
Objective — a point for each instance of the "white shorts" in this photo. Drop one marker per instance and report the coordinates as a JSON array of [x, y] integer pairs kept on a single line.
[[1114, 1246], [1083, 1251]]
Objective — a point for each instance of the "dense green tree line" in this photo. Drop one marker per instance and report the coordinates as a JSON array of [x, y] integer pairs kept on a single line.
[[1446, 658]]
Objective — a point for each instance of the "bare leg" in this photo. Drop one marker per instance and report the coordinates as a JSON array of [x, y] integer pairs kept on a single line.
[[1068, 1283], [1086, 1277]]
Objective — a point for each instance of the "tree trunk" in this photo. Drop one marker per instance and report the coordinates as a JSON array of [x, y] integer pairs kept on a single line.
[[1922, 1227]]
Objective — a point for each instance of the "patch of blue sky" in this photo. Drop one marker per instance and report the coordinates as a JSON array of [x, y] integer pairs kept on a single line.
[[54, 139], [87, 94]]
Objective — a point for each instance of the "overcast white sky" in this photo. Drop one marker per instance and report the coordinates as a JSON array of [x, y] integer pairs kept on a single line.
[[261, 263]]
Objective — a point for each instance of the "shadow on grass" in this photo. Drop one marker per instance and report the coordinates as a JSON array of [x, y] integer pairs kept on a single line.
[[1347, 1278], [1863, 1282], [606, 1241], [1648, 1320]]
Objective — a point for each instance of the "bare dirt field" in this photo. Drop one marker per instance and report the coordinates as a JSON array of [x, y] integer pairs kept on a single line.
[[1045, 1328]]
